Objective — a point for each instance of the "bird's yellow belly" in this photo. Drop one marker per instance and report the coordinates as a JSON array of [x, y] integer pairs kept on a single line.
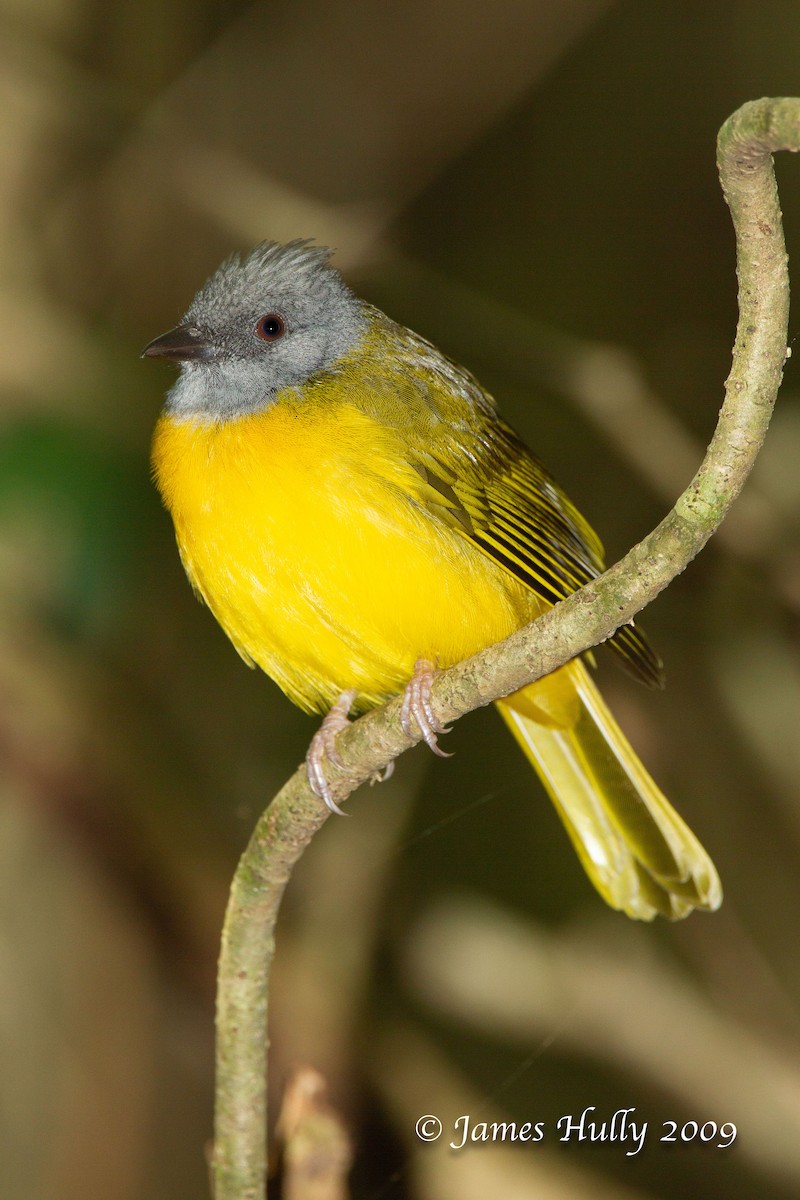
[[305, 534]]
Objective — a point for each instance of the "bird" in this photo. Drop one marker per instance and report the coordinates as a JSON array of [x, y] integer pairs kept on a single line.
[[354, 511]]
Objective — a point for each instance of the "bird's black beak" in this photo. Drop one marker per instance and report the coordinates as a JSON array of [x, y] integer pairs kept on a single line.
[[186, 343]]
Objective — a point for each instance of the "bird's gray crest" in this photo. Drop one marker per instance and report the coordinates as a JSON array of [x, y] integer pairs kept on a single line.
[[270, 269]]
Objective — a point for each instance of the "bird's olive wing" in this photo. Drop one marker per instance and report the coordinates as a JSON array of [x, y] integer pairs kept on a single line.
[[506, 503]]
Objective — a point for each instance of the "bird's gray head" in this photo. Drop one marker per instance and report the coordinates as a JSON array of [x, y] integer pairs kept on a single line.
[[258, 325]]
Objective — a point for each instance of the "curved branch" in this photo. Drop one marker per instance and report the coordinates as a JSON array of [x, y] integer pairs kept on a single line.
[[746, 142]]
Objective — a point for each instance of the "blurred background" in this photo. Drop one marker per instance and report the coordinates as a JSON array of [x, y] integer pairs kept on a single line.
[[532, 186]]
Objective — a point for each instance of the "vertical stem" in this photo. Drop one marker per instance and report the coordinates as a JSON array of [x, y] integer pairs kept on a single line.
[[247, 949]]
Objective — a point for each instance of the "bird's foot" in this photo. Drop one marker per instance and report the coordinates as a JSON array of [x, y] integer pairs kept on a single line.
[[417, 706], [323, 745]]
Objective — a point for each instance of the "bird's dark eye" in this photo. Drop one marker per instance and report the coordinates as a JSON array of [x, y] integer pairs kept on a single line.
[[271, 327]]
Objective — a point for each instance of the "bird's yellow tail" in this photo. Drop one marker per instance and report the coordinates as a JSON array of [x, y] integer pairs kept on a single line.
[[638, 853]]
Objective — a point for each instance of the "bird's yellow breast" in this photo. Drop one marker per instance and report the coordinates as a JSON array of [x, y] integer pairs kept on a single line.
[[307, 534]]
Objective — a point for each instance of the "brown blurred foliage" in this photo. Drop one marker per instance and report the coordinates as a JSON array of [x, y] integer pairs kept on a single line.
[[532, 186]]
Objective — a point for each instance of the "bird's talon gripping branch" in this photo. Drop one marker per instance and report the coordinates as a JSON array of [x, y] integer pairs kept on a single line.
[[417, 707], [323, 745], [382, 776]]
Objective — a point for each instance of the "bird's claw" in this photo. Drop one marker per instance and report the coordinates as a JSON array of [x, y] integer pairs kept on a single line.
[[417, 707], [323, 745], [382, 776]]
